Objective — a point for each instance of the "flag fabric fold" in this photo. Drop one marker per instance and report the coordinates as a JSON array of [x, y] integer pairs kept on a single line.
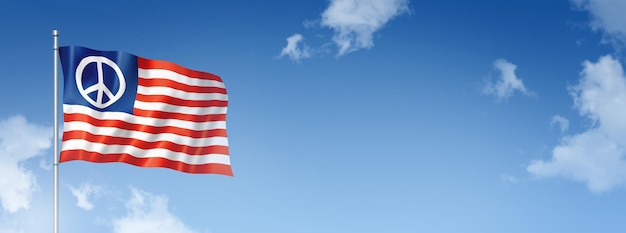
[[118, 107]]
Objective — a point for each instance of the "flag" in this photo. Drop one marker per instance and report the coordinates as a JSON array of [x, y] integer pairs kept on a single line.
[[118, 107]]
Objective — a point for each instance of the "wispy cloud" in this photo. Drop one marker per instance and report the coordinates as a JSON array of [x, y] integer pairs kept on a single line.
[[19, 141], [607, 16], [295, 48], [147, 213], [509, 179], [595, 156], [84, 193], [354, 22], [45, 165], [506, 83], [560, 121]]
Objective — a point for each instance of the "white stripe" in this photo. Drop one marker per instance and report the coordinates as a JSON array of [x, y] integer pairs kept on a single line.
[[152, 106], [143, 136], [69, 109], [171, 75], [160, 90], [79, 144]]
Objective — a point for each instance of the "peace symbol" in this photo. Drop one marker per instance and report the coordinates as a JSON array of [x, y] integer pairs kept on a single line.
[[100, 87]]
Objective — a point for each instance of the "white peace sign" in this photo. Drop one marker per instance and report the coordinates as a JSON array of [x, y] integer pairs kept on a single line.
[[100, 87]]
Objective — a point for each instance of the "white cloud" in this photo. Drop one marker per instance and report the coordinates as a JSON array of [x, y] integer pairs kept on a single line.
[[355, 21], [607, 16], [37, 218], [595, 156], [507, 82], [148, 213], [562, 122], [84, 193], [295, 48], [19, 141]]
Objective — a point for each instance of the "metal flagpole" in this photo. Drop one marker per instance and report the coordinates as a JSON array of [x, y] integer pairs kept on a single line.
[[55, 35]]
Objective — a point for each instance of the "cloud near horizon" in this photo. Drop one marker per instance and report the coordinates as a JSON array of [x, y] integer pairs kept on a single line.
[[20, 140], [148, 213], [596, 156], [84, 193]]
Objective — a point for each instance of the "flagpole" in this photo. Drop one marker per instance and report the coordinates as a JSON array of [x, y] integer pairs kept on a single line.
[[55, 35]]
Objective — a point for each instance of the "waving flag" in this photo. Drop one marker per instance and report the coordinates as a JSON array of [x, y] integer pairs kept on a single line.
[[122, 108]]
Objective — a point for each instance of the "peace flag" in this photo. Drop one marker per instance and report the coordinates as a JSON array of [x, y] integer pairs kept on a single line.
[[118, 107]]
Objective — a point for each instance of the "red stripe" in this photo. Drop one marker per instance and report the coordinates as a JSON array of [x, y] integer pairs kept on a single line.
[[181, 102], [166, 65], [144, 128], [210, 168], [159, 82], [179, 116], [110, 140]]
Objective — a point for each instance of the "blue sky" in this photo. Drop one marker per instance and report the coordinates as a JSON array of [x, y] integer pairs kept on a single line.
[[344, 116]]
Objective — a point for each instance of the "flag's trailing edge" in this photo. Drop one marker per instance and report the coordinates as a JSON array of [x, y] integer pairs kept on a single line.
[[118, 107]]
